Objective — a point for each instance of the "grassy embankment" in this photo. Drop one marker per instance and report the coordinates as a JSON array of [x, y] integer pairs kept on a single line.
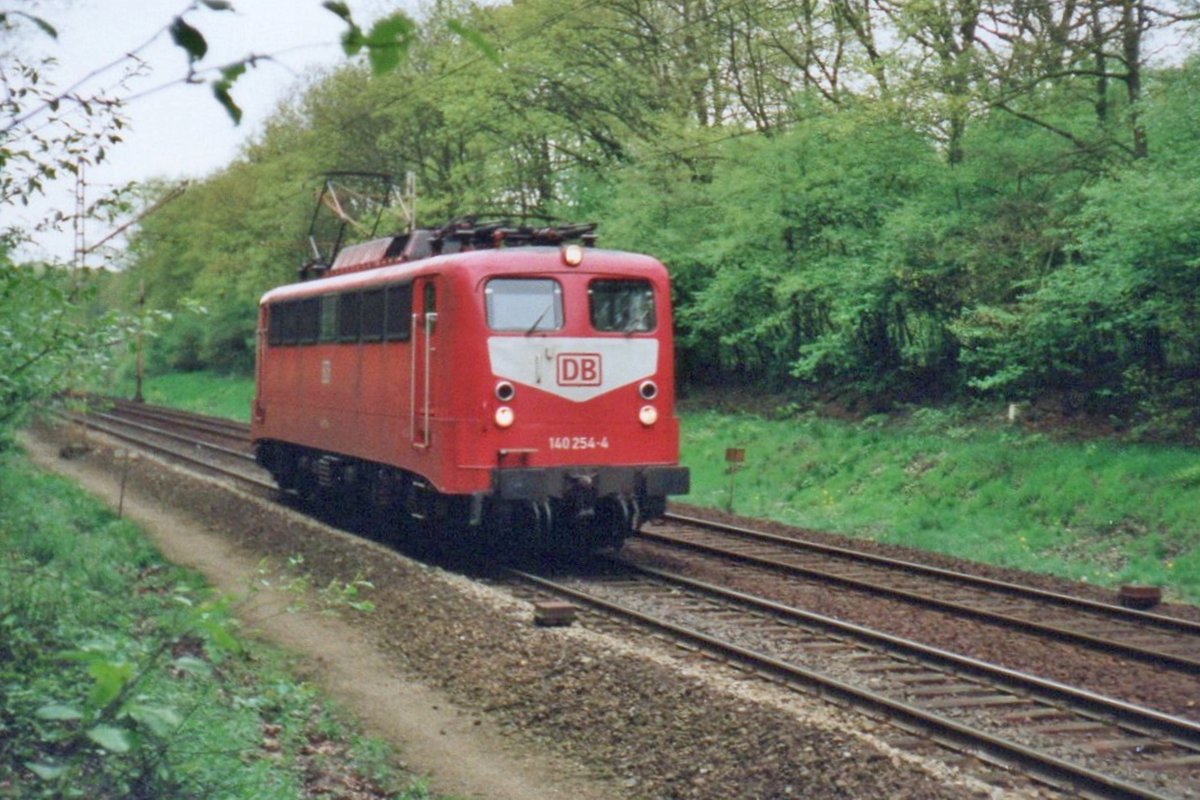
[[202, 392], [1100, 511], [122, 675]]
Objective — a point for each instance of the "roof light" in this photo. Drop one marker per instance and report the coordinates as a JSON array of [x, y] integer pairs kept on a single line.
[[572, 255]]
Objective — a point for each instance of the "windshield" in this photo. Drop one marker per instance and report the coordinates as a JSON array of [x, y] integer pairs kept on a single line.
[[524, 304], [626, 306]]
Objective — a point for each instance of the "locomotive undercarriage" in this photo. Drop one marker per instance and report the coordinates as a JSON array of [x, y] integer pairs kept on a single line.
[[558, 509]]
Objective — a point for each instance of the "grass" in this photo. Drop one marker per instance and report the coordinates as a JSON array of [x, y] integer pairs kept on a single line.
[[122, 675], [202, 392], [1100, 511]]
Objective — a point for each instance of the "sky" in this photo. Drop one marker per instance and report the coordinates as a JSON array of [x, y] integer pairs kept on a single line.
[[181, 131]]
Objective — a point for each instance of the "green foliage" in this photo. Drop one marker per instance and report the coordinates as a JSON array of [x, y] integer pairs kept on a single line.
[[940, 221], [1097, 511], [476, 39], [94, 626], [51, 338], [1117, 323], [210, 249], [202, 392], [178, 347], [188, 38], [122, 676], [222, 87], [331, 599]]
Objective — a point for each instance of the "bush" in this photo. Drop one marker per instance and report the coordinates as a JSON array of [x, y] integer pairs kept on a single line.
[[119, 673], [178, 346]]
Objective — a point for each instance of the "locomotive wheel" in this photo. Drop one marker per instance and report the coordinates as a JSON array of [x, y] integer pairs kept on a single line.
[[612, 524], [384, 516]]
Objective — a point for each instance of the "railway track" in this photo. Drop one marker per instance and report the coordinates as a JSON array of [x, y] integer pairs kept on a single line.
[[1166, 642], [1160, 640], [229, 460], [1156, 638], [1065, 736], [1071, 739], [235, 435]]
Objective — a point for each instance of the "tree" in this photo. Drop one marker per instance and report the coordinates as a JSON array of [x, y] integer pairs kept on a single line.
[[912, 198], [46, 132]]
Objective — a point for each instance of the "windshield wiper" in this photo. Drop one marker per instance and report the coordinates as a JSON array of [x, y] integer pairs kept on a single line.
[[538, 321], [636, 324]]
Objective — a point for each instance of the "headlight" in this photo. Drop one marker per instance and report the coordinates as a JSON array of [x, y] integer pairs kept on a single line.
[[504, 417], [648, 415]]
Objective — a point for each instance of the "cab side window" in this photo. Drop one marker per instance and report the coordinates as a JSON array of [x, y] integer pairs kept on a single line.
[[275, 324], [372, 315], [431, 308], [329, 318], [398, 312], [349, 319]]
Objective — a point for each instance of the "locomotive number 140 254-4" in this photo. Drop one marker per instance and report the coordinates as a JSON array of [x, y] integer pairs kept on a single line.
[[578, 443]]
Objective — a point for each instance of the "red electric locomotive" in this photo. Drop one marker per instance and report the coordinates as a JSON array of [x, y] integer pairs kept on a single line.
[[494, 377]]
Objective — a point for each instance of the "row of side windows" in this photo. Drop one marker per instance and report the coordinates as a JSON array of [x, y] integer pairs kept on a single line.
[[373, 315]]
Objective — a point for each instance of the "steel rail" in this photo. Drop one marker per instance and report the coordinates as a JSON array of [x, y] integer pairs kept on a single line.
[[1179, 731], [178, 437], [1156, 657], [1160, 620], [960, 737], [218, 426], [125, 436], [232, 431]]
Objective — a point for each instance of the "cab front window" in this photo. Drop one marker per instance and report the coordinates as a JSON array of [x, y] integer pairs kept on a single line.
[[527, 305], [623, 306]]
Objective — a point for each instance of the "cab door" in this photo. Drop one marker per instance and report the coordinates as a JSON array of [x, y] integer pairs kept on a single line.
[[422, 403]]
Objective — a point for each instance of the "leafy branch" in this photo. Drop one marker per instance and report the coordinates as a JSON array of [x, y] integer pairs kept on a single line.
[[114, 715]]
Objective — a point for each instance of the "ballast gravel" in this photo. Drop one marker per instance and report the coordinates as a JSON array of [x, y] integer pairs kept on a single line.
[[656, 721]]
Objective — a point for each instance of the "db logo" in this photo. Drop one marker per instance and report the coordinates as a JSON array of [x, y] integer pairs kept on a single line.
[[578, 369]]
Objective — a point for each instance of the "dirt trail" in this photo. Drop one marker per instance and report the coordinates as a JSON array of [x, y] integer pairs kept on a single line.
[[461, 753]]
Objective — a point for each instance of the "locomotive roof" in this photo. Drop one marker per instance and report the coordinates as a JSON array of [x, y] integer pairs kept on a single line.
[[476, 264]]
